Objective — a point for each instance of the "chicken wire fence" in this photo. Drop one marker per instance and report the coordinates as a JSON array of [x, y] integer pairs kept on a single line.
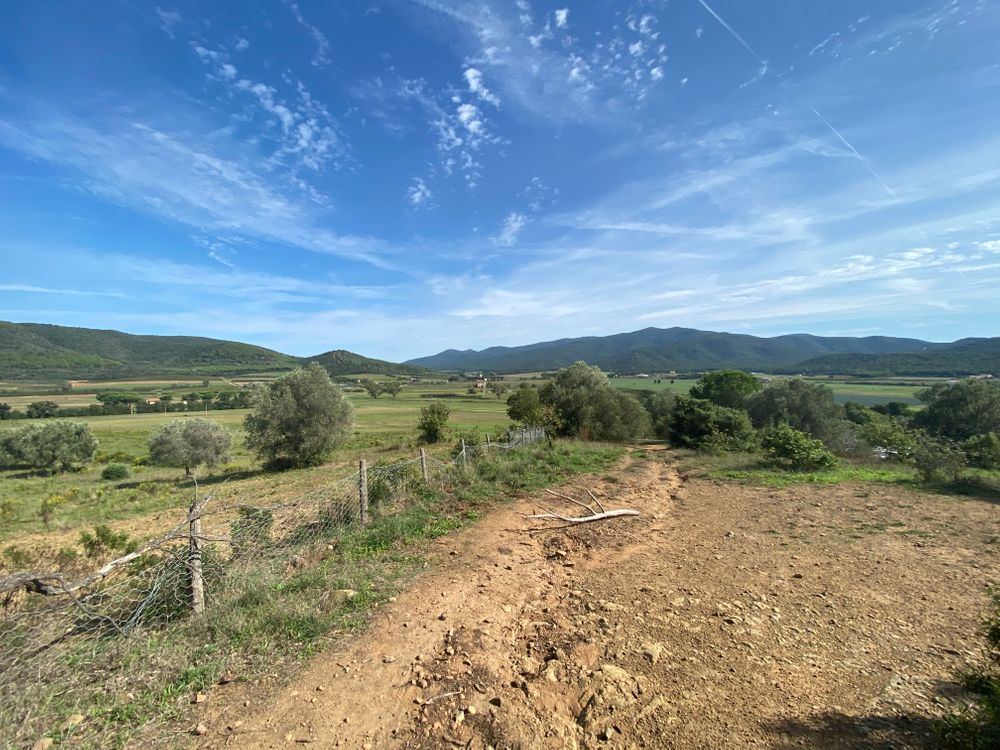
[[77, 635]]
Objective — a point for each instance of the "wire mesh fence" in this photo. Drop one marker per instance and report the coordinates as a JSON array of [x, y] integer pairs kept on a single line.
[[65, 640]]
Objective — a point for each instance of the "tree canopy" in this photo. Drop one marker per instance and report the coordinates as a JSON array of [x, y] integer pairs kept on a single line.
[[298, 419], [589, 407], [188, 443], [962, 410], [729, 388]]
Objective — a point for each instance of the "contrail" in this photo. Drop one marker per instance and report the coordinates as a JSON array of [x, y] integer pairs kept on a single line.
[[732, 31], [857, 153]]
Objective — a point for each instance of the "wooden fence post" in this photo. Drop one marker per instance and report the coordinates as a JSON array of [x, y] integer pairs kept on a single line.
[[465, 458], [423, 463], [488, 443], [194, 539], [363, 490]]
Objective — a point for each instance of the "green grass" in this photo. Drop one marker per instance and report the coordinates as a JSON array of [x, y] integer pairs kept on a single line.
[[777, 478], [268, 617]]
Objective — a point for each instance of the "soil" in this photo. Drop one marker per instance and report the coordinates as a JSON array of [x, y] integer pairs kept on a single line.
[[723, 616]]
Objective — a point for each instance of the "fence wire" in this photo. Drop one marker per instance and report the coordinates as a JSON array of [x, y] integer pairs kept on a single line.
[[64, 640]]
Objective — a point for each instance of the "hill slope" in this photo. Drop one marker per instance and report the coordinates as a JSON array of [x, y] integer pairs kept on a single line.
[[965, 357], [48, 352], [660, 350]]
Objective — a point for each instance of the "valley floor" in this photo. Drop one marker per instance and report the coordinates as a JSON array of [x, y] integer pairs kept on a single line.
[[723, 616]]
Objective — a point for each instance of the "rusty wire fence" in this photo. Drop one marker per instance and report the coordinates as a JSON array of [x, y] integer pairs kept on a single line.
[[64, 641]]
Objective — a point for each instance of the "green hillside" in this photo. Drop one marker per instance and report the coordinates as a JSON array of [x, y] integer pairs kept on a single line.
[[966, 357], [663, 350], [35, 351]]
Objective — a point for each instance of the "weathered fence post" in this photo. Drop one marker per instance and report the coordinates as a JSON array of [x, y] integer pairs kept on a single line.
[[488, 443], [363, 490], [194, 539], [465, 458], [423, 463]]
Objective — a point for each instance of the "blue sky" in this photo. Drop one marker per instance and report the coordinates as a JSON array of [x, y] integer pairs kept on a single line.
[[405, 176]]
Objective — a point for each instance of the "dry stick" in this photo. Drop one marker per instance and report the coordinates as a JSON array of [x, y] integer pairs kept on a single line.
[[575, 502], [599, 503], [585, 519]]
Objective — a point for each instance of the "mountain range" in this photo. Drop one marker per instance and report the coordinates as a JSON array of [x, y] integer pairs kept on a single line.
[[36, 351], [690, 350], [49, 352]]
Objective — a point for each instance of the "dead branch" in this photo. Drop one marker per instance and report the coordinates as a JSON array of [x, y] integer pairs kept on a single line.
[[594, 498], [549, 516], [575, 502]]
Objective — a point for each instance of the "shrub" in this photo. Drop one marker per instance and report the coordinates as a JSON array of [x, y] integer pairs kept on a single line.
[[433, 421], [983, 451], [890, 439], [524, 406], [472, 440], [590, 408], [791, 449], [252, 529], [807, 407], [298, 419], [729, 388], [115, 472], [189, 442], [661, 408], [104, 541], [938, 459], [703, 425]]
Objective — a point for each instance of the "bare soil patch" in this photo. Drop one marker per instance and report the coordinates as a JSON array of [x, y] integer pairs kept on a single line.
[[723, 616]]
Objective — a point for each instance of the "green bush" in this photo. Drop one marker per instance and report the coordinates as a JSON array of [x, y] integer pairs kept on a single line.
[[983, 451], [938, 460], [702, 425], [115, 472], [588, 407], [788, 448], [104, 541], [890, 439], [433, 421]]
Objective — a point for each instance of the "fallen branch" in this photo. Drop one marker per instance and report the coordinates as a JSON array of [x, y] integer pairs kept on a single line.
[[594, 498], [550, 516], [575, 502]]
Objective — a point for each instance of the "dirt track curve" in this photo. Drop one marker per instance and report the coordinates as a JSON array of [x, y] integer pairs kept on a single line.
[[724, 616]]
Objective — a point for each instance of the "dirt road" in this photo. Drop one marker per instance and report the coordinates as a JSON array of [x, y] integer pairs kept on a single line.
[[724, 616]]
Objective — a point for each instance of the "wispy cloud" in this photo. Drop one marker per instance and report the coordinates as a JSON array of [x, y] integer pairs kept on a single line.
[[322, 56], [867, 165], [418, 194], [511, 229], [30, 289], [733, 33]]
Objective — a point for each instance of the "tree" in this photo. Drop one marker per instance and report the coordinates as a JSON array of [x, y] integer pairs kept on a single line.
[[298, 419], [5, 410], [525, 407], [42, 409], [807, 407], [702, 425], [661, 409], [393, 387], [792, 450], [56, 446], [589, 407], [730, 388], [433, 421], [188, 443], [969, 407], [374, 389], [497, 389]]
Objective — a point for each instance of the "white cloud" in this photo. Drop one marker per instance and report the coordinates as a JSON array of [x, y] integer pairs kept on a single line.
[[656, 73], [511, 229], [29, 289], [241, 44], [169, 19], [562, 18], [418, 193], [474, 78], [322, 56]]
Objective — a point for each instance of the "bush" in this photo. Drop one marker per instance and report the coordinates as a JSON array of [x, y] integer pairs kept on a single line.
[[703, 425], [661, 409], [104, 541], [472, 439], [807, 407], [791, 449], [983, 451], [433, 421], [938, 459], [730, 388], [590, 408], [890, 439], [115, 472], [299, 419]]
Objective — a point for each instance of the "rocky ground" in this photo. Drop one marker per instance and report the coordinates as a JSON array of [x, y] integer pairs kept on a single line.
[[722, 616]]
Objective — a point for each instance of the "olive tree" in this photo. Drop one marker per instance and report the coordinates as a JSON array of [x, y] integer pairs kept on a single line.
[[589, 407], [188, 443], [298, 419], [52, 447]]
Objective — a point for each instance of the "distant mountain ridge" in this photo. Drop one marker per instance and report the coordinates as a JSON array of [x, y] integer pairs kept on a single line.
[[666, 349], [962, 358], [43, 351]]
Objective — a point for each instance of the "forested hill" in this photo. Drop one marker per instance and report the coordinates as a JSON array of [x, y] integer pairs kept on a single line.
[[965, 357], [663, 350], [36, 351]]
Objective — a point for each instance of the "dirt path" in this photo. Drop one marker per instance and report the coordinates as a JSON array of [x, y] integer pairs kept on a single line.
[[724, 616]]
